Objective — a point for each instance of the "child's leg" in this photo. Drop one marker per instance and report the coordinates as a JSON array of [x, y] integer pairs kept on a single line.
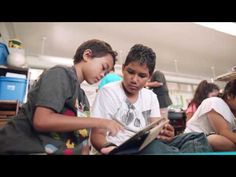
[[158, 147], [191, 142], [221, 143]]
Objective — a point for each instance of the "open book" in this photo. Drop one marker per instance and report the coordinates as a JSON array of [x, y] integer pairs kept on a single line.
[[141, 139]]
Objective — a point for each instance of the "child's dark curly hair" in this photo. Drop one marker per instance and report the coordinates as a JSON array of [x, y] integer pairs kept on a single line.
[[230, 89], [143, 55]]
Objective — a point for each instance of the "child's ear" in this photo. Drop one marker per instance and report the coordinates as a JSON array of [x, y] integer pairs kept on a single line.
[[87, 55], [229, 97]]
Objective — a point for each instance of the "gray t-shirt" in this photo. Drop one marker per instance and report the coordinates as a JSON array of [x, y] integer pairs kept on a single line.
[[57, 89], [162, 92]]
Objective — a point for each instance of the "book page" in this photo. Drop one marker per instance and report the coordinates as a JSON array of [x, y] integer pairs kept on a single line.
[[153, 133]]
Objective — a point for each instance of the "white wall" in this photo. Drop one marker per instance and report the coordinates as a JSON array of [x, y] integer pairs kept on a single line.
[[5, 34], [44, 62]]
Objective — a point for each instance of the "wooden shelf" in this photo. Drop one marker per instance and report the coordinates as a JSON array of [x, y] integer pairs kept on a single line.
[[3, 122], [226, 77], [8, 108], [19, 70]]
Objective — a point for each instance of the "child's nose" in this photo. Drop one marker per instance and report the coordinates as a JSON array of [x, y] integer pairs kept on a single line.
[[135, 78]]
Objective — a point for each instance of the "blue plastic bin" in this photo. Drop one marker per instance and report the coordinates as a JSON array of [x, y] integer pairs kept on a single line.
[[3, 54], [12, 88]]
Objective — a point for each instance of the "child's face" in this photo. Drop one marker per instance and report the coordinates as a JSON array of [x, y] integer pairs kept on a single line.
[[96, 68], [135, 77]]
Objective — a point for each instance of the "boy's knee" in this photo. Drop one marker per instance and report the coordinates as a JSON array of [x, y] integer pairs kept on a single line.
[[221, 143]]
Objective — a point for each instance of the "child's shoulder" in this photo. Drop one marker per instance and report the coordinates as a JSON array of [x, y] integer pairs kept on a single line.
[[214, 99], [213, 102], [59, 68]]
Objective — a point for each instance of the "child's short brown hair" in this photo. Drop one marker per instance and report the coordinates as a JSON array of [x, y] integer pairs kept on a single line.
[[99, 49]]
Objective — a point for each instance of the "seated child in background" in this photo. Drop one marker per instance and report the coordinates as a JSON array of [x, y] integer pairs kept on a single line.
[[203, 91], [216, 117]]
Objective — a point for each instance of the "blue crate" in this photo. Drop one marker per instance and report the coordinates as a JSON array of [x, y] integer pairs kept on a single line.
[[3, 54], [12, 88]]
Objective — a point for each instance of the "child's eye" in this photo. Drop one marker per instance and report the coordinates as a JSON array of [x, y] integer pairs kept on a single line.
[[130, 71], [142, 75], [105, 67]]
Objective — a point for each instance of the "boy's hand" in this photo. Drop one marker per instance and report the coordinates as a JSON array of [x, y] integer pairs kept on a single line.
[[106, 150], [167, 133], [113, 127]]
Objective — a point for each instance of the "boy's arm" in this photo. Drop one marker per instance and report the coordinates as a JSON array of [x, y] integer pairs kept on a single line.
[[154, 84], [46, 120], [221, 126], [98, 138], [155, 81]]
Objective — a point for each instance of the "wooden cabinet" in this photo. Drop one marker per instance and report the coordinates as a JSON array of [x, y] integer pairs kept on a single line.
[[8, 108], [4, 69]]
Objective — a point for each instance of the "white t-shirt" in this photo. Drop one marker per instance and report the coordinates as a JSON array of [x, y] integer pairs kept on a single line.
[[199, 122], [112, 103]]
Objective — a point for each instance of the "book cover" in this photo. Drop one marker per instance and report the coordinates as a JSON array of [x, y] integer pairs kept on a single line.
[[141, 139]]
